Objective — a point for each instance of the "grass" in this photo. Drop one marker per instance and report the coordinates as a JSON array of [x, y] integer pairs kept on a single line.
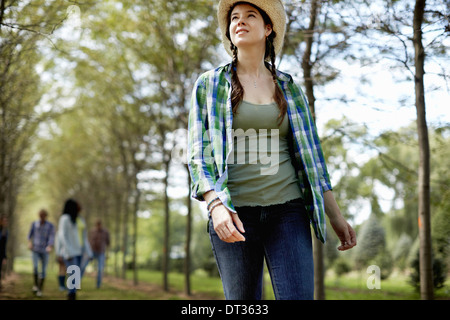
[[18, 286], [201, 284], [352, 286]]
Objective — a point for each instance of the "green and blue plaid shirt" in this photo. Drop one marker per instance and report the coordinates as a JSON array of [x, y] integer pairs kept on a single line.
[[210, 142]]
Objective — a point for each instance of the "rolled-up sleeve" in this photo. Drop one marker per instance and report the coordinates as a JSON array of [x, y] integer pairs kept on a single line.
[[200, 157], [322, 170]]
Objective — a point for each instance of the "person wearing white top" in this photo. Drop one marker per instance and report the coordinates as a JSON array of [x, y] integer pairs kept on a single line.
[[73, 244]]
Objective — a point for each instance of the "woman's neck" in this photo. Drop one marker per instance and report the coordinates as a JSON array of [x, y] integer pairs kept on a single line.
[[251, 63]]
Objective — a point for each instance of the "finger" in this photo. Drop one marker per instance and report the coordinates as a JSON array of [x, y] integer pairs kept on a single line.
[[345, 238], [238, 222], [227, 236], [223, 233], [230, 239], [350, 238], [345, 243], [235, 233], [353, 237], [344, 246]]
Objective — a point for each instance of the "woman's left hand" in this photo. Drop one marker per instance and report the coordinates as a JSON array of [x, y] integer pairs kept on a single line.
[[343, 230], [345, 233]]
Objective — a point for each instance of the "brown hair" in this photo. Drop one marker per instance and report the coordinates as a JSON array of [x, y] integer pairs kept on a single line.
[[237, 91]]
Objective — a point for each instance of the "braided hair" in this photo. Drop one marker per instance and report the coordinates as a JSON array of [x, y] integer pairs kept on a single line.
[[237, 90]]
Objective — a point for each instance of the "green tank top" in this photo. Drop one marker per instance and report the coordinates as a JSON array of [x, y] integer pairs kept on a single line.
[[260, 171]]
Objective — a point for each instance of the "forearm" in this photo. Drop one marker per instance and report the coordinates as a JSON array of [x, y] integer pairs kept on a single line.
[[212, 200], [331, 207], [209, 196]]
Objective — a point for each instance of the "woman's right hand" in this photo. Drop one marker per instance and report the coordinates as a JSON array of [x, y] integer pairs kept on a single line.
[[224, 223]]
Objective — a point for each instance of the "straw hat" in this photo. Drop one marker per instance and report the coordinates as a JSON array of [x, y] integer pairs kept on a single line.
[[273, 8]]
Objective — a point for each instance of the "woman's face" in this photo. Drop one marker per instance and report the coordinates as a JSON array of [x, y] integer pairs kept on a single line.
[[247, 27]]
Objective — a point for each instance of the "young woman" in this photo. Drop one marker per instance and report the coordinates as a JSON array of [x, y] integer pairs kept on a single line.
[[72, 239], [260, 206]]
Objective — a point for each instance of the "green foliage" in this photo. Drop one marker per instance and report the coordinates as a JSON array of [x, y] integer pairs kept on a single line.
[[401, 251], [385, 262], [439, 272], [341, 267], [371, 242], [440, 147]]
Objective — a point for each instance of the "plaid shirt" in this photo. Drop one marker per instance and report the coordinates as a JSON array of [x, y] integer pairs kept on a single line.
[[41, 236], [210, 142]]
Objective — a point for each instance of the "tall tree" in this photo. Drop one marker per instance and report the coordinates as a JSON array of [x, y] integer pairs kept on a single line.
[[311, 40], [426, 269], [403, 36], [183, 39], [307, 66], [417, 33], [22, 28]]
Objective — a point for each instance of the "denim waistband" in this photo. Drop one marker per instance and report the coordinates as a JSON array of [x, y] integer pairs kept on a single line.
[[272, 206]]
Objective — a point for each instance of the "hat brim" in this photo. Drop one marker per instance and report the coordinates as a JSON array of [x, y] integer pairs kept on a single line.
[[273, 8]]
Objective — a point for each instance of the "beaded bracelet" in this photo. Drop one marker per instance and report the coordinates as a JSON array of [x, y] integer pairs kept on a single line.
[[215, 205], [209, 204]]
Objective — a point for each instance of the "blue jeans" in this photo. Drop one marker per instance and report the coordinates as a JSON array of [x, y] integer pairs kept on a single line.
[[43, 257], [100, 256], [279, 233], [76, 260]]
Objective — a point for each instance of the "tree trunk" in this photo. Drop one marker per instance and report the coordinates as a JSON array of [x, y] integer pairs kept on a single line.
[[306, 60], [319, 272], [117, 202], [125, 231], [166, 250], [187, 260], [2, 12], [426, 269], [135, 231]]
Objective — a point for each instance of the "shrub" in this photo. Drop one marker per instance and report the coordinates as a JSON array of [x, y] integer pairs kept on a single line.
[[371, 242], [401, 251], [341, 267], [439, 273]]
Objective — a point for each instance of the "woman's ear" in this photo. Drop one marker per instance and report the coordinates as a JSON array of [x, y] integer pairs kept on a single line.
[[268, 29]]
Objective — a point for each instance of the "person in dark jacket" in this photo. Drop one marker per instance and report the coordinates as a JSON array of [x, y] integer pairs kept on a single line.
[[3, 242]]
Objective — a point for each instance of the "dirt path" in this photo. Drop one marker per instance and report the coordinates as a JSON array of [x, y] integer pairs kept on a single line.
[[17, 286], [9, 286]]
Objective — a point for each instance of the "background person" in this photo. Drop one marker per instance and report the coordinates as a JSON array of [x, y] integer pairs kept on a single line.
[[99, 240], [41, 238], [3, 243], [73, 242]]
